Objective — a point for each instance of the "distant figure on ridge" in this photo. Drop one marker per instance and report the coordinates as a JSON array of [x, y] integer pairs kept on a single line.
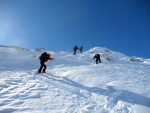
[[81, 48], [97, 56], [44, 58], [75, 49]]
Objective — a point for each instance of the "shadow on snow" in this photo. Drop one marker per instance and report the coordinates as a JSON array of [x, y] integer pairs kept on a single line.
[[111, 92]]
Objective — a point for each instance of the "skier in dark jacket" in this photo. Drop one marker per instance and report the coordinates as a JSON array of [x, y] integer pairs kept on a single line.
[[75, 49], [44, 58], [81, 48], [97, 56]]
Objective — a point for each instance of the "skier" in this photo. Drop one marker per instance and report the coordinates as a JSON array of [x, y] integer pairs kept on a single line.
[[75, 49], [44, 58], [81, 48], [97, 56]]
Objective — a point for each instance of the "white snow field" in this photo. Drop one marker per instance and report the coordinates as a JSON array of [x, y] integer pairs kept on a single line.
[[73, 83]]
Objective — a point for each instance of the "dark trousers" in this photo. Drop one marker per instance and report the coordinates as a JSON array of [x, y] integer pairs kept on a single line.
[[74, 52], [42, 65], [98, 60]]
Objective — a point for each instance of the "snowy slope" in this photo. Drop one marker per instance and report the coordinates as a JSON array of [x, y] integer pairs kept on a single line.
[[73, 84]]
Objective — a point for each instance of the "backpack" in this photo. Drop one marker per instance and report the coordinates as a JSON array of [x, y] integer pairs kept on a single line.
[[97, 55], [43, 56]]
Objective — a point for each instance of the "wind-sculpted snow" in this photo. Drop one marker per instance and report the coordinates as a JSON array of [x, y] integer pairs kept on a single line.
[[73, 84]]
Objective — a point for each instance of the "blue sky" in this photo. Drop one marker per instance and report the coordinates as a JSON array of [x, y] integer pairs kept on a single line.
[[120, 25]]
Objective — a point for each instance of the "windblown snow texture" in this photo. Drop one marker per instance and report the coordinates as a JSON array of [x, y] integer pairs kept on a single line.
[[73, 84]]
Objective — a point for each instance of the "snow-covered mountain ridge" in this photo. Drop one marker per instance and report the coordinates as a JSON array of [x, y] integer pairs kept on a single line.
[[108, 54], [73, 83]]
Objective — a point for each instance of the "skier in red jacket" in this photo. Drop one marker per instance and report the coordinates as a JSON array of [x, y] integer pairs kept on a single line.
[[44, 58]]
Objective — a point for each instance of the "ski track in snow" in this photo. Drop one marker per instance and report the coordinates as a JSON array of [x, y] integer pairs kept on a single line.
[[73, 84]]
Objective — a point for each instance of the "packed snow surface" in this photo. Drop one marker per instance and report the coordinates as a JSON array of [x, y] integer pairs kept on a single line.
[[73, 83]]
